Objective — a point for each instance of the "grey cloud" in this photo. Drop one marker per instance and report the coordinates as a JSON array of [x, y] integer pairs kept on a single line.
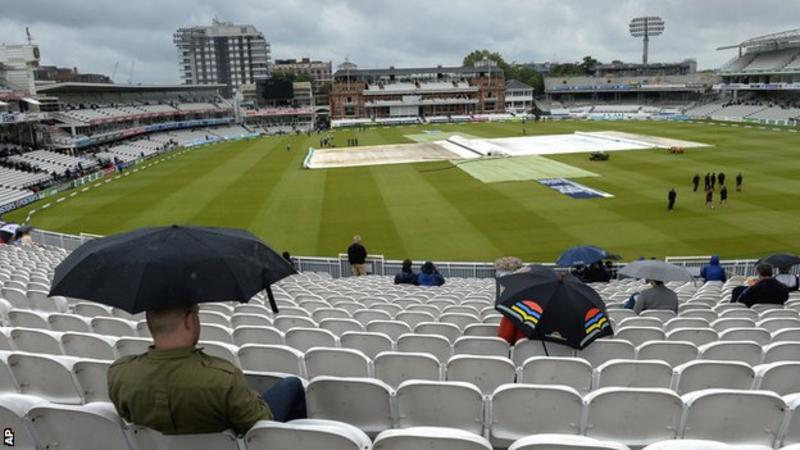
[[96, 34]]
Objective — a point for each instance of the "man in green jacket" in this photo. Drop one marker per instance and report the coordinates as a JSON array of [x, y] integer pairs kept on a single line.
[[175, 388]]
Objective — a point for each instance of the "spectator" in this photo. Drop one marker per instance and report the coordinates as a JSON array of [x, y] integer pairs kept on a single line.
[[657, 297], [406, 274], [288, 257], [357, 256], [429, 276], [176, 388], [792, 282], [509, 332], [713, 271], [766, 290], [595, 273]]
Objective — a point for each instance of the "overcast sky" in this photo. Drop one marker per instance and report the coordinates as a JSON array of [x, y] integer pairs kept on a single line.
[[94, 35]]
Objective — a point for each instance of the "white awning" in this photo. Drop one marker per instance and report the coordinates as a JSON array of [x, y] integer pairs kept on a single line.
[[31, 101]]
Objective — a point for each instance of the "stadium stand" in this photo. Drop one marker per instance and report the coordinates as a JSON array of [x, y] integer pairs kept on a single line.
[[352, 341]]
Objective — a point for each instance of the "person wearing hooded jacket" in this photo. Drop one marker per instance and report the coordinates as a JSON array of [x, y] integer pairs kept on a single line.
[[713, 271], [429, 276], [406, 274]]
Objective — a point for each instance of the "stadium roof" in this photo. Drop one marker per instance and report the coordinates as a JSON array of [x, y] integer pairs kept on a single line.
[[74, 87], [516, 84], [783, 37]]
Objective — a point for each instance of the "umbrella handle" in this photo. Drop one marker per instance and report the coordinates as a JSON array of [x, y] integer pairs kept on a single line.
[[271, 298]]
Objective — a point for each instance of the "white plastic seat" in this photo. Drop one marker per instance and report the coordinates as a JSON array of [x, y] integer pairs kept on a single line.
[[782, 351], [779, 323], [36, 341], [341, 326], [780, 377], [368, 343], [88, 345], [224, 350], [701, 444], [392, 328], [252, 308], [143, 330], [126, 346], [13, 408], [485, 372], [244, 335], [214, 317], [69, 322], [633, 374], [460, 320], [734, 416], [786, 335], [633, 416], [791, 432], [93, 379], [739, 313], [697, 336], [286, 322], [758, 335], [746, 351], [430, 438], [113, 326], [361, 402], [706, 314], [292, 311], [448, 330], [147, 439], [249, 320], [603, 350], [519, 410], [389, 308], [481, 329], [216, 333], [685, 322], [28, 319], [271, 358], [222, 308], [441, 404], [436, 345], [673, 353], [779, 313], [67, 427], [552, 370], [330, 313], [639, 322], [46, 376], [336, 362], [414, 318], [430, 309], [481, 346], [723, 324], [661, 314], [305, 338], [16, 296], [312, 305], [91, 310], [700, 374], [639, 335], [564, 442], [365, 316], [394, 368], [620, 314], [306, 434]]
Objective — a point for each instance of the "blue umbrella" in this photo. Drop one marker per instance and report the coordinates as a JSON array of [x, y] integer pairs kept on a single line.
[[585, 255]]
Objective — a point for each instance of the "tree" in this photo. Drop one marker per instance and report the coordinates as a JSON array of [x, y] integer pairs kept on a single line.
[[587, 64], [479, 55]]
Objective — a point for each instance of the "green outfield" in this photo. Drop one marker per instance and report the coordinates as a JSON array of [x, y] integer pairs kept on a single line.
[[437, 211]]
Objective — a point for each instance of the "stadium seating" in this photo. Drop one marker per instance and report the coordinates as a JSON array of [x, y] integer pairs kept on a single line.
[[388, 380]]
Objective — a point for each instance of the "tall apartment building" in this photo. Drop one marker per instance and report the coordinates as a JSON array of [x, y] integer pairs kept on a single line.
[[222, 53]]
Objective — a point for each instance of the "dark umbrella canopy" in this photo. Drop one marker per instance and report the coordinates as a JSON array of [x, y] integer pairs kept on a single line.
[[553, 307], [781, 260], [583, 255], [163, 267]]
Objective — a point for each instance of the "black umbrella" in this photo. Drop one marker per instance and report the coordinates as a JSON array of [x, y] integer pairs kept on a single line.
[[553, 307], [163, 267], [781, 260]]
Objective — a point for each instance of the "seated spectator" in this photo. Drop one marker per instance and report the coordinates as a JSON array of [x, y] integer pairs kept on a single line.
[[406, 274], [595, 273], [176, 388], [509, 332], [288, 257], [789, 280], [429, 276], [657, 297], [765, 290], [713, 271]]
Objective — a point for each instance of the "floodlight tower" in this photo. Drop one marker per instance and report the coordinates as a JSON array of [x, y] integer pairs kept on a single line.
[[644, 27]]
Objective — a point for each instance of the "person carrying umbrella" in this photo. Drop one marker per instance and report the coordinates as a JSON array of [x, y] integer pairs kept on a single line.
[[658, 296], [175, 387]]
